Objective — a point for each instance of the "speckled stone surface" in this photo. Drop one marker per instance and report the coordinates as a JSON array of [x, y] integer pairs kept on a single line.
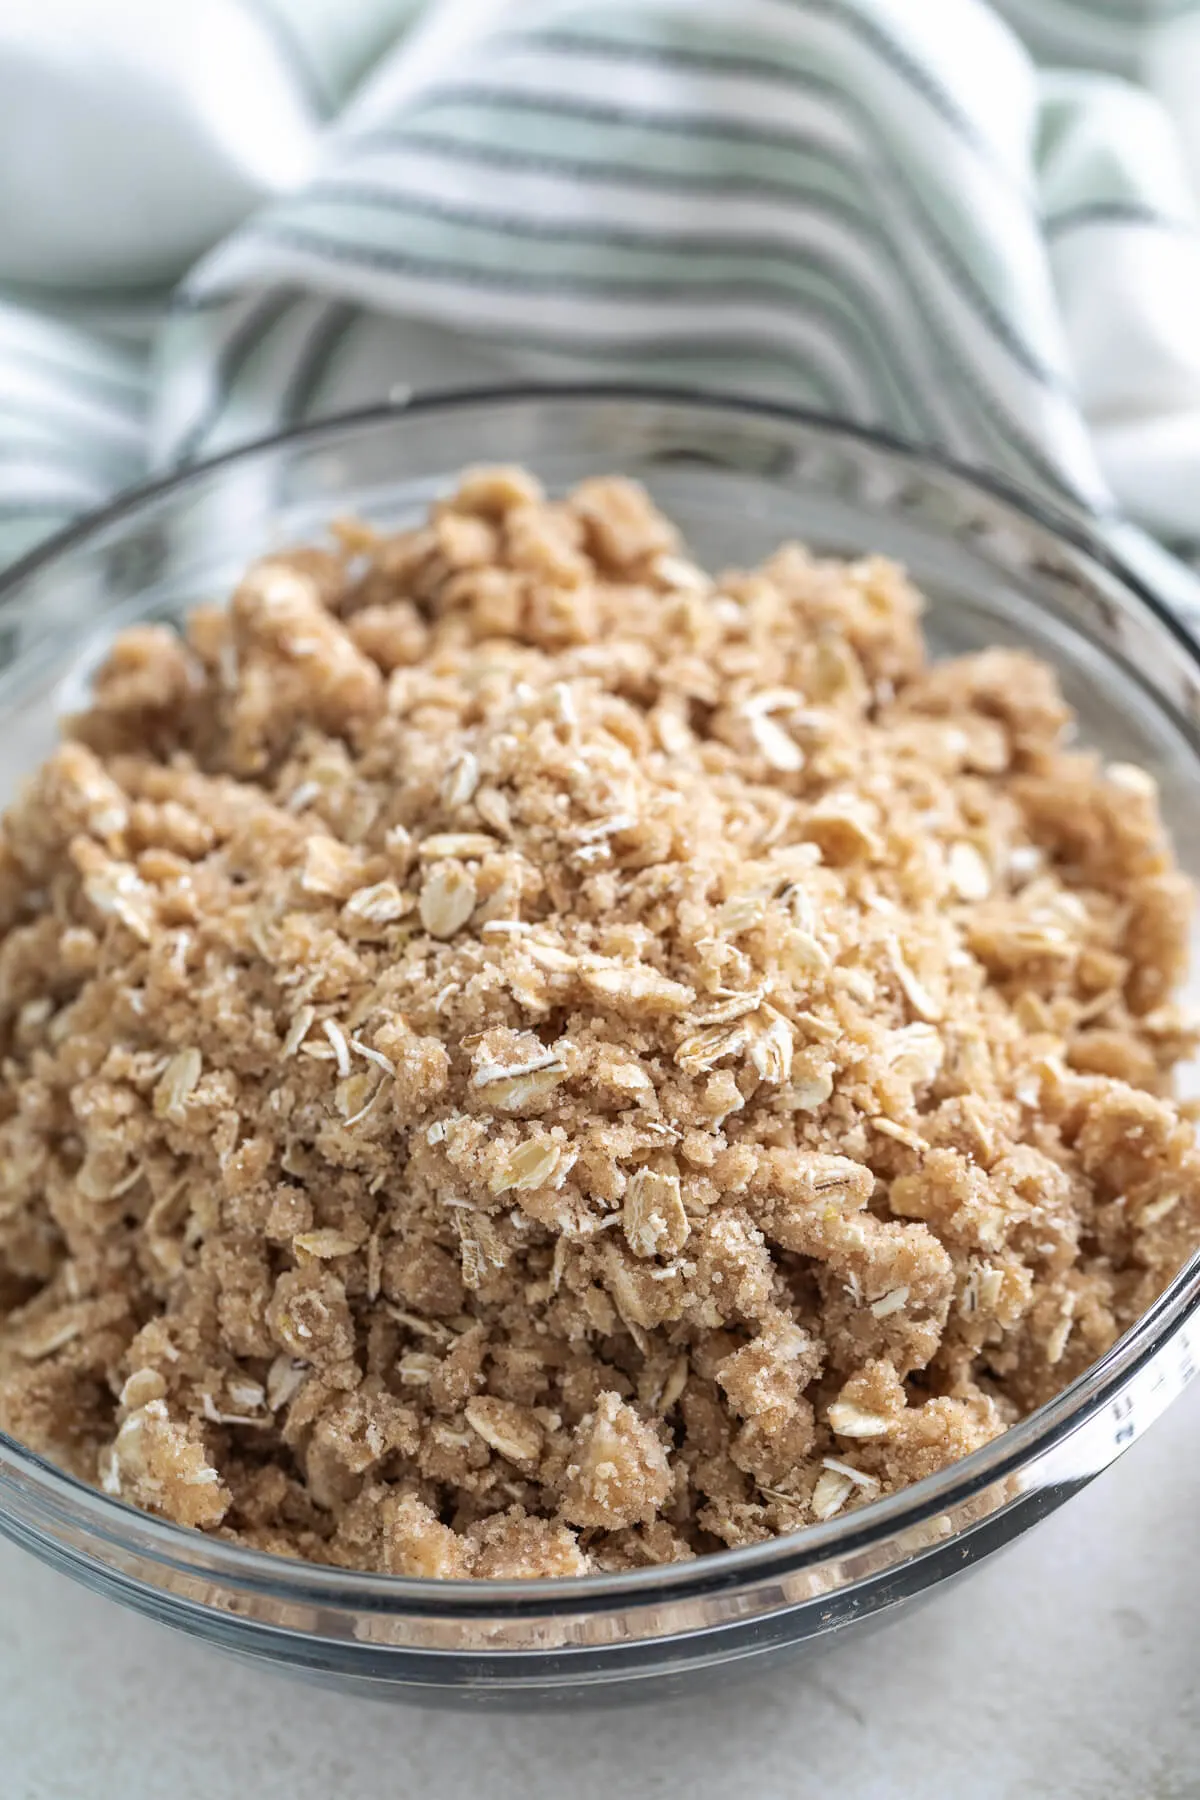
[[1068, 1669]]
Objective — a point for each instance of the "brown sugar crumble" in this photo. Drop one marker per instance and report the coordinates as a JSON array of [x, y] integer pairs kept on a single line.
[[522, 1059]]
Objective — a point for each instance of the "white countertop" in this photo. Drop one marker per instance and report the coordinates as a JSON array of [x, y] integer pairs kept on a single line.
[[1067, 1669]]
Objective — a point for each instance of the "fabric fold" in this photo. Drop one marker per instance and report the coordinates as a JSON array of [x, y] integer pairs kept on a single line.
[[889, 212]]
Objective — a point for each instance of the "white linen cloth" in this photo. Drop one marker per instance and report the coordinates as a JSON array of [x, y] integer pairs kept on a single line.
[[975, 224]]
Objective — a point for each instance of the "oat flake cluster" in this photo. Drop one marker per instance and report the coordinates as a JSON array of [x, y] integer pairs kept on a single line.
[[520, 1059]]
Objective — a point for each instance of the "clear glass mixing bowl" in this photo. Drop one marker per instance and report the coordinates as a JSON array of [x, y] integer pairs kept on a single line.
[[998, 568]]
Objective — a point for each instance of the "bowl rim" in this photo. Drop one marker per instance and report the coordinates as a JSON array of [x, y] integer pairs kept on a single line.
[[189, 1552]]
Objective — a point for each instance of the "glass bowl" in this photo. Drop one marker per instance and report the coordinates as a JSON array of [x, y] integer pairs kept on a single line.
[[997, 567]]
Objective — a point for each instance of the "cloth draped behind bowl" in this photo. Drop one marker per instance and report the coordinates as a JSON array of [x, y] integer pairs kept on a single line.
[[975, 225]]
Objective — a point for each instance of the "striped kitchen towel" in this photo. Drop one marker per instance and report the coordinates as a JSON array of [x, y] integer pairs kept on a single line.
[[974, 224]]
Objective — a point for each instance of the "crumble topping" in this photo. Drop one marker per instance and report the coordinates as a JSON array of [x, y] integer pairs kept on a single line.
[[520, 1058]]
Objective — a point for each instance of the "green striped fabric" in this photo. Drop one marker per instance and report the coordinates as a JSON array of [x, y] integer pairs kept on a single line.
[[72, 421], [954, 220]]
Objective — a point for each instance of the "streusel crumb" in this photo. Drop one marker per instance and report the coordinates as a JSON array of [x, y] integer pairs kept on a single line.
[[521, 1059]]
